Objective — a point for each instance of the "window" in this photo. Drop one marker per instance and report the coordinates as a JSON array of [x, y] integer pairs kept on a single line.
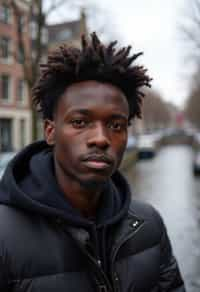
[[5, 48], [5, 14], [64, 35], [21, 55], [21, 92], [5, 88], [44, 36], [33, 30], [6, 143], [22, 23], [23, 132], [33, 54]]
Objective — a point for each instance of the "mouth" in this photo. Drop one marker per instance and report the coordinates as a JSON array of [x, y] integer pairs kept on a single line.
[[99, 162]]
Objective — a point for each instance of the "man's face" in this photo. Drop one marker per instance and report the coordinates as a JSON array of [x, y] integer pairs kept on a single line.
[[89, 131]]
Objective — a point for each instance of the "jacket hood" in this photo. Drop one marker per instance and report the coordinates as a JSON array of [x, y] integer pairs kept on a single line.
[[29, 183]]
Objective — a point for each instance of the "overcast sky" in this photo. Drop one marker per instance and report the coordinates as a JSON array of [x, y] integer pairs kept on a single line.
[[151, 26]]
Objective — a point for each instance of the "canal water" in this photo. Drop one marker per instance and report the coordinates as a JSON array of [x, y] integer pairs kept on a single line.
[[168, 183]]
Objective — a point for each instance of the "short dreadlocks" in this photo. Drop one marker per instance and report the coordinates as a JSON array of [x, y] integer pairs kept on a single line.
[[95, 61]]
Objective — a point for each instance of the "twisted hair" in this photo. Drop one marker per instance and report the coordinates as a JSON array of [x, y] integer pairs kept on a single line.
[[94, 61]]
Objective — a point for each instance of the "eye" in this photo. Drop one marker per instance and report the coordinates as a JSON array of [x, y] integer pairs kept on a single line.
[[117, 126], [78, 123]]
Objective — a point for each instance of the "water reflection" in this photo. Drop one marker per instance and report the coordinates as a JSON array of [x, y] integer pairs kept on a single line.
[[168, 183]]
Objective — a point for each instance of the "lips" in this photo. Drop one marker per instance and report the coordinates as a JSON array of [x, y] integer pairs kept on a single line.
[[97, 164], [98, 161]]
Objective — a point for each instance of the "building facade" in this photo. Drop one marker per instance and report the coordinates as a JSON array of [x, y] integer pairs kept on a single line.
[[67, 32], [15, 104], [15, 114]]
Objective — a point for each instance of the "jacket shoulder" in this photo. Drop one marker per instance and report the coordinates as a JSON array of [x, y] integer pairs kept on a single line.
[[14, 223], [10, 214], [147, 213]]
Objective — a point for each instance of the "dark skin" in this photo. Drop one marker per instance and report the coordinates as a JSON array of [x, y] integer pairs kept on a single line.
[[89, 135]]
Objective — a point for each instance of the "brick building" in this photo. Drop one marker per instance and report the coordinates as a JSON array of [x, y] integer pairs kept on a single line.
[[15, 107], [15, 115]]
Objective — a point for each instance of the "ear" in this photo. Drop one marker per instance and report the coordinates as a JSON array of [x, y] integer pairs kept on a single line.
[[49, 132]]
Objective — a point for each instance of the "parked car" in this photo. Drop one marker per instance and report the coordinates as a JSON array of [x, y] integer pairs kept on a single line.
[[4, 160], [146, 146], [157, 135], [196, 164], [197, 139], [131, 142]]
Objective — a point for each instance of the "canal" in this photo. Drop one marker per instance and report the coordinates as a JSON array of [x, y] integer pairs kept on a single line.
[[168, 183]]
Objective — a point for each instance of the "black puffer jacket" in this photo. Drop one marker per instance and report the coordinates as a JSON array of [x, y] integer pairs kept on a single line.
[[45, 245]]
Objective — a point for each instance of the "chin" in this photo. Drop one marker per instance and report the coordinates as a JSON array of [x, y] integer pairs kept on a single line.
[[95, 181]]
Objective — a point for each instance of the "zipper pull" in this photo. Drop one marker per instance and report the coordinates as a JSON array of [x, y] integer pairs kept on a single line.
[[102, 288]]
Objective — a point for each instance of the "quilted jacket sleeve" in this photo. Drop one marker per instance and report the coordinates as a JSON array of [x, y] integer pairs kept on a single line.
[[170, 277]]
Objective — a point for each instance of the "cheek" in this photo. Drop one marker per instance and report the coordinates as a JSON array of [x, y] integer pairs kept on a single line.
[[119, 146], [71, 149], [67, 156], [119, 152], [68, 144]]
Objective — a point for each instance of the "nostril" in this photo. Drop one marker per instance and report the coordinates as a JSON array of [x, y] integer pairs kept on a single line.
[[99, 138], [100, 143]]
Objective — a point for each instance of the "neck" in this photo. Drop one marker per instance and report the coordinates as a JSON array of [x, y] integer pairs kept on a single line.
[[81, 197]]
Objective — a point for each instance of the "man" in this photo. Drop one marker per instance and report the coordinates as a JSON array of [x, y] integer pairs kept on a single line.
[[66, 218]]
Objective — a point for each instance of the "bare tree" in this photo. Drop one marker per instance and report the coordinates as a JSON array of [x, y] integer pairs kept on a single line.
[[192, 108], [156, 112], [190, 29], [191, 33]]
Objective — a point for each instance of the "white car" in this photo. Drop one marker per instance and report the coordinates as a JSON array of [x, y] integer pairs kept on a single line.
[[146, 146], [131, 142], [4, 159]]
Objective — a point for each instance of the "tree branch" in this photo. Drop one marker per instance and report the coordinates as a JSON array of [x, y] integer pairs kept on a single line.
[[54, 6]]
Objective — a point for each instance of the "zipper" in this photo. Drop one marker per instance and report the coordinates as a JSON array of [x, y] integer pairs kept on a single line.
[[115, 251], [104, 284], [102, 288]]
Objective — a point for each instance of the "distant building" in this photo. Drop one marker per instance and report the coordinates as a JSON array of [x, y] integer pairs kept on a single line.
[[67, 32], [15, 114]]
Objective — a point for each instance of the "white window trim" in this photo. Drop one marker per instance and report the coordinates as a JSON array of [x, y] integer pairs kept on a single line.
[[22, 137], [24, 100], [33, 29], [10, 91], [45, 36]]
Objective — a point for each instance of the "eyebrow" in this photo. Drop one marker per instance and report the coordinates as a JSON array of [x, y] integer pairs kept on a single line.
[[119, 116], [88, 112], [80, 111]]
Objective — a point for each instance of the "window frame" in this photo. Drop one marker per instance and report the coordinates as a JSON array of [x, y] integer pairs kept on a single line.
[[5, 14], [21, 92], [9, 88], [6, 58]]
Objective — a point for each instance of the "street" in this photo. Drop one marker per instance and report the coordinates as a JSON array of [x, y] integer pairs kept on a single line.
[[167, 182]]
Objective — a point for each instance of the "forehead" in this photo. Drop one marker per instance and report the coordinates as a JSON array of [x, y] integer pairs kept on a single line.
[[93, 95]]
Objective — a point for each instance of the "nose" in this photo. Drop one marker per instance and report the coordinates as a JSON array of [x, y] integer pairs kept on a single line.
[[99, 137]]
